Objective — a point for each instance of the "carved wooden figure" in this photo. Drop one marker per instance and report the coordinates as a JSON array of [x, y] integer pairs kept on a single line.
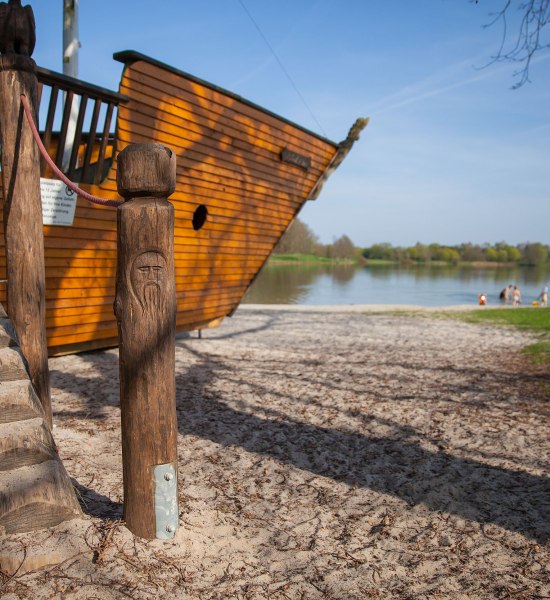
[[23, 231], [145, 308], [17, 28]]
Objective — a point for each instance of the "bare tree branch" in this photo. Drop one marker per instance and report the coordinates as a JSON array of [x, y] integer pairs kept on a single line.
[[528, 39]]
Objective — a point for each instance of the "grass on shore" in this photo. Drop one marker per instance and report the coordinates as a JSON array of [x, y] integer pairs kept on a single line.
[[296, 259], [531, 319], [285, 259]]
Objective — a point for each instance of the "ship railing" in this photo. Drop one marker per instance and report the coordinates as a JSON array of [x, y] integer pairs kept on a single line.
[[84, 156]]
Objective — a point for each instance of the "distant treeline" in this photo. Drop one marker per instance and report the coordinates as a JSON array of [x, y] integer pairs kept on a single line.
[[300, 239], [525, 254]]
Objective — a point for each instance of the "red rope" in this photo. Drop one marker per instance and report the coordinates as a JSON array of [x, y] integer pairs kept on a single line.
[[54, 167]]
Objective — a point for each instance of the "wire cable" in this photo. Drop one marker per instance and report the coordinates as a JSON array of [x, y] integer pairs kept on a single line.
[[282, 66]]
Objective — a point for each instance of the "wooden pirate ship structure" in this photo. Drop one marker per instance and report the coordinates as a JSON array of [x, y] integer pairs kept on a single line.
[[243, 174]]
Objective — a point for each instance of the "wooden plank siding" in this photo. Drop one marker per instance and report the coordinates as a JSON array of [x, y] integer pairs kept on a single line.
[[228, 159]]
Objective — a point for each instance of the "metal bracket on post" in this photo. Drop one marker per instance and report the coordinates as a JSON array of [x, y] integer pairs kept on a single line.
[[166, 501]]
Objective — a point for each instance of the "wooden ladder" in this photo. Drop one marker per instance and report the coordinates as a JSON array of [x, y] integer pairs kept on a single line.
[[35, 490]]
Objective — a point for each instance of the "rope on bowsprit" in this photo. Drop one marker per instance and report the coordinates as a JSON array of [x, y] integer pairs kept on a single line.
[[55, 168]]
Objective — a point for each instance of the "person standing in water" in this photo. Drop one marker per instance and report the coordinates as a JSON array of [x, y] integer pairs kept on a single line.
[[516, 296], [506, 293]]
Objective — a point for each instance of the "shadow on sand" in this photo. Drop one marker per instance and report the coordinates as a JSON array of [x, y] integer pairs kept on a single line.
[[396, 464]]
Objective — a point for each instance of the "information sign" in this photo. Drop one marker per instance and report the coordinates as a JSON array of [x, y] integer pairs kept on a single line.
[[58, 202]]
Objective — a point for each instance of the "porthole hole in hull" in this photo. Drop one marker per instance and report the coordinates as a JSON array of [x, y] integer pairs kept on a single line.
[[199, 217]]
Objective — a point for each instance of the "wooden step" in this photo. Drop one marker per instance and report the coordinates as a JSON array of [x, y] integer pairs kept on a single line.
[[25, 443], [35, 497], [12, 364], [18, 401], [35, 490], [8, 336]]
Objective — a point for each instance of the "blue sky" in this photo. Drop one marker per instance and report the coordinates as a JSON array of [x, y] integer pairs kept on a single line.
[[451, 153]]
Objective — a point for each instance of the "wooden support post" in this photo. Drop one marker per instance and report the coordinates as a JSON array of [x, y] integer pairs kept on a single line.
[[23, 233], [145, 308]]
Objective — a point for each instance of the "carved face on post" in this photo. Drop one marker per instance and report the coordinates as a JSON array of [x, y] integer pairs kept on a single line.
[[148, 275], [17, 28]]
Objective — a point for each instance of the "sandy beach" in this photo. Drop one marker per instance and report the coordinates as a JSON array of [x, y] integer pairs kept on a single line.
[[323, 453]]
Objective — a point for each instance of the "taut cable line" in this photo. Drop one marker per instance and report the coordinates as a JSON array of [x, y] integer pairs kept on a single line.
[[55, 168], [283, 68]]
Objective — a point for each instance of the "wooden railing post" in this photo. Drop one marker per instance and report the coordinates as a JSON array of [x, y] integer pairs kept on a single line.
[[23, 233], [145, 308]]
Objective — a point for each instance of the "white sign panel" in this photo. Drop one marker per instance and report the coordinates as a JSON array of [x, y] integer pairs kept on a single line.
[[58, 202]]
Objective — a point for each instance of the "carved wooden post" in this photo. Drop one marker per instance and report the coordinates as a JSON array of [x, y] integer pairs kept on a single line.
[[145, 308], [23, 233]]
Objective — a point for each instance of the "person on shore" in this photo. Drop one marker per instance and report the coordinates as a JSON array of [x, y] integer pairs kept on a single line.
[[516, 296], [505, 293], [544, 296], [482, 299]]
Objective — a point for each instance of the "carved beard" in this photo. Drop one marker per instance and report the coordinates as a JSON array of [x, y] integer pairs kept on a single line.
[[147, 276], [151, 297]]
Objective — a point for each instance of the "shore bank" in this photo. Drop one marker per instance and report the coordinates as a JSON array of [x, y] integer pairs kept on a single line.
[[363, 308], [323, 453]]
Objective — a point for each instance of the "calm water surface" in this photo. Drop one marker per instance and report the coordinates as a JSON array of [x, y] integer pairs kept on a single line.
[[423, 286]]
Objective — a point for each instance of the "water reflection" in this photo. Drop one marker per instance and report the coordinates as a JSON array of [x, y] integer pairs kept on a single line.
[[514, 275], [421, 285], [343, 274], [283, 284]]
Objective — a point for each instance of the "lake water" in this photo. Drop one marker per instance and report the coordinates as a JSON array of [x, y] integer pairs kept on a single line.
[[419, 285]]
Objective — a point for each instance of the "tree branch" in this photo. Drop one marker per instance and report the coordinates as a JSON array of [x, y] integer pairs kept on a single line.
[[528, 40]]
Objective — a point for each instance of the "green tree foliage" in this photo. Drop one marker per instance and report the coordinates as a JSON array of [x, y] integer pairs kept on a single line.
[[419, 252], [492, 255], [449, 255], [382, 251], [298, 239], [534, 254], [514, 254], [507, 253], [471, 252], [343, 247], [529, 254]]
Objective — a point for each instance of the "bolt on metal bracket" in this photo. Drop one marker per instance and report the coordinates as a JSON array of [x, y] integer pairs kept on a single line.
[[166, 501]]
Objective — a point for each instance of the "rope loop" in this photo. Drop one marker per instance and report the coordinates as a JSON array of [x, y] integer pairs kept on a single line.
[[55, 168]]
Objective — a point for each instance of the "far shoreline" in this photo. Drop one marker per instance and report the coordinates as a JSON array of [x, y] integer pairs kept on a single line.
[[278, 260], [375, 308]]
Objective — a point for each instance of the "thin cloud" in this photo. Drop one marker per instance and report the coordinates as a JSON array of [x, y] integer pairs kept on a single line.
[[426, 89]]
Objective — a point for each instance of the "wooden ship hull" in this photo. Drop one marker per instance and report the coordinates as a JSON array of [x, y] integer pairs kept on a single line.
[[243, 174]]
